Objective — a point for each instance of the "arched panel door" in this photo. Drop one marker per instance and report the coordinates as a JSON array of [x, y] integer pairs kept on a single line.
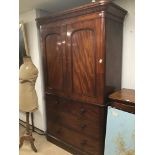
[[85, 61], [54, 60]]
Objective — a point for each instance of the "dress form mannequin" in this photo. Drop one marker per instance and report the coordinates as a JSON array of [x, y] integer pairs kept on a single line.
[[28, 100]]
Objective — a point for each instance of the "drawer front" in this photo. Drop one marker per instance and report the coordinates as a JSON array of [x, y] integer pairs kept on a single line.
[[83, 126], [61, 113], [91, 146], [86, 111], [81, 110]]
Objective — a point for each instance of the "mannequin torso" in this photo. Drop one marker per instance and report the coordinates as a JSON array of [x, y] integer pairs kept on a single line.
[[28, 74]]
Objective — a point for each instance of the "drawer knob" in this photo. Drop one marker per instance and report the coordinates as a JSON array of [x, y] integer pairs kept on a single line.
[[83, 126], [83, 143], [48, 93], [57, 102], [82, 111]]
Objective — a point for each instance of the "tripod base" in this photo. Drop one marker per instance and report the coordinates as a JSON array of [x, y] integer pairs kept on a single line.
[[28, 138], [28, 135]]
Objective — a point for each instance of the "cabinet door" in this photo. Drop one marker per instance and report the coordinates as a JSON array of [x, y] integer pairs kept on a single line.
[[53, 52], [85, 60]]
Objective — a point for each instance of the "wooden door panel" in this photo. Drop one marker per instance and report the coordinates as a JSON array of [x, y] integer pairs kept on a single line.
[[84, 70], [83, 73], [53, 59], [54, 62]]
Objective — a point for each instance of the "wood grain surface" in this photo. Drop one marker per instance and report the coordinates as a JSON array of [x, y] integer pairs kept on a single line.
[[82, 58]]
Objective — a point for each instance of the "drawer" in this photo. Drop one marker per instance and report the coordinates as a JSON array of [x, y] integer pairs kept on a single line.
[[69, 115], [83, 110], [83, 126], [82, 142], [80, 110]]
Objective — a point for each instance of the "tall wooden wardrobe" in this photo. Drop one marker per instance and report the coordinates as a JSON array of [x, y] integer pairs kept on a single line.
[[82, 61]]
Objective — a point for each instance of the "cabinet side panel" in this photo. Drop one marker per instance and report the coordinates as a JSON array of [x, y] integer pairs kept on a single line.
[[113, 37]]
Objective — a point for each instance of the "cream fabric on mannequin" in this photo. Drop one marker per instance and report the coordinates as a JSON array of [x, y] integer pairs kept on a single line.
[[28, 73]]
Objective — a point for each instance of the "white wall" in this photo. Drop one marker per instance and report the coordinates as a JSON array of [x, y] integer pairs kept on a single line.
[[128, 66], [34, 49], [128, 80]]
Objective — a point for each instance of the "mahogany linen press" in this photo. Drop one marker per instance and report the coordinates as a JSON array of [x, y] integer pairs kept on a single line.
[[82, 63]]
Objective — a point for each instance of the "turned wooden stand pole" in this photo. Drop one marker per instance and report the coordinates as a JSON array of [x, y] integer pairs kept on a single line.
[[28, 135], [32, 118], [27, 124]]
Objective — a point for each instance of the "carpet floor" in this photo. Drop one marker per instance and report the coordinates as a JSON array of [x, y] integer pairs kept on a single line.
[[43, 146]]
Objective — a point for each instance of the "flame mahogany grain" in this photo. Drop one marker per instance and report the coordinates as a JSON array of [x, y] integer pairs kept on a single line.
[[82, 57]]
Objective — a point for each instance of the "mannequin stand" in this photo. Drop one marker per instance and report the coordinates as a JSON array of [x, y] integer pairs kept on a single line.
[[32, 121], [28, 135]]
